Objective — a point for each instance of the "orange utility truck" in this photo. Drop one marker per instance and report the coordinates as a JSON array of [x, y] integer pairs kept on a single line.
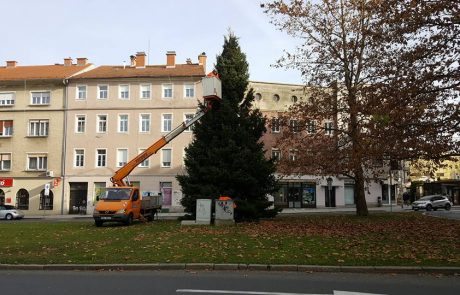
[[124, 203]]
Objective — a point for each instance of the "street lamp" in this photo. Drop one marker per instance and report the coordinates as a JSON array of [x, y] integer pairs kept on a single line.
[[329, 188]]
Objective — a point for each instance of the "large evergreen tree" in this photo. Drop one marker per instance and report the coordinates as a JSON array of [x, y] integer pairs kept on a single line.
[[226, 156]]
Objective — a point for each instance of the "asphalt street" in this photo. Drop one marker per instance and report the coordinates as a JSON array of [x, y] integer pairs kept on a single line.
[[221, 282]]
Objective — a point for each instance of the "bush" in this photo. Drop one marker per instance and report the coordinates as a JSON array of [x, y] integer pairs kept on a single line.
[[249, 210]]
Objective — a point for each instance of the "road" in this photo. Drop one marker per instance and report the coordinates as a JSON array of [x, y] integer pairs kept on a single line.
[[220, 282]]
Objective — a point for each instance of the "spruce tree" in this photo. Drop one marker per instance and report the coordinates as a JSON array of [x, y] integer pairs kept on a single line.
[[226, 156]]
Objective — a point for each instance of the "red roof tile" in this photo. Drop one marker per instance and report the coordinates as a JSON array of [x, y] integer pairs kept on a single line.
[[39, 72], [180, 70]]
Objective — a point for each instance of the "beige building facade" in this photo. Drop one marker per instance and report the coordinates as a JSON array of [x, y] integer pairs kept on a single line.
[[32, 107], [305, 191], [114, 113]]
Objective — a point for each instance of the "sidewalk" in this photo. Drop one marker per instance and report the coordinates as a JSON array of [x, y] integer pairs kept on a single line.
[[286, 211]]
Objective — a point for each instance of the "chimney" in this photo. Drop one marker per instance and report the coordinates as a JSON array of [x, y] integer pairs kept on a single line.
[[202, 60], [67, 62], [170, 59], [133, 60], [82, 61], [11, 63], [140, 59]]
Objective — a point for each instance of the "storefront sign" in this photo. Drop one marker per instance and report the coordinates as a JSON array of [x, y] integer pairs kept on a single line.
[[56, 182], [6, 182]]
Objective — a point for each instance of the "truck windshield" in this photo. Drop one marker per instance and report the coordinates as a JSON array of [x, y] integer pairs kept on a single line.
[[117, 194]]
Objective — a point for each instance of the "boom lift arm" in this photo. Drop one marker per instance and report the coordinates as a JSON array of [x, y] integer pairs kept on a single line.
[[120, 174]]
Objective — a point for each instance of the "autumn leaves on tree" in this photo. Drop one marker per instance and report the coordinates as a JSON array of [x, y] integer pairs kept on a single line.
[[382, 79]]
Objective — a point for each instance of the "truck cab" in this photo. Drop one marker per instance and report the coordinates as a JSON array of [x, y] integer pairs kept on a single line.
[[121, 204]]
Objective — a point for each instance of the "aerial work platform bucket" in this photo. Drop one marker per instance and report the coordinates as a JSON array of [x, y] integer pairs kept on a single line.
[[212, 87]]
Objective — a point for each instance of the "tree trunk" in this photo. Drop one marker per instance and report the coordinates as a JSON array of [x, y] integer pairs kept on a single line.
[[360, 194]]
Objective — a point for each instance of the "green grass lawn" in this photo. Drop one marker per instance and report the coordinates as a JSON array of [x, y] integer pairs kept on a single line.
[[408, 239]]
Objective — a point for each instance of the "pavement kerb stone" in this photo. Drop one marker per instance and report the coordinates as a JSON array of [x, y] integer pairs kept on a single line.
[[258, 267], [318, 268], [234, 266], [21, 267], [357, 269], [283, 267], [398, 269], [226, 266], [199, 266]]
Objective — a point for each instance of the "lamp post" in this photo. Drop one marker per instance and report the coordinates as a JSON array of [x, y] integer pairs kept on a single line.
[[329, 188]]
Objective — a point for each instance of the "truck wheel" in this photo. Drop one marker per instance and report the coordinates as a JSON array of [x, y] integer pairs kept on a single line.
[[150, 217], [129, 221], [98, 223]]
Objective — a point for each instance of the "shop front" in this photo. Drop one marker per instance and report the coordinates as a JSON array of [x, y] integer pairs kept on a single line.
[[296, 195]]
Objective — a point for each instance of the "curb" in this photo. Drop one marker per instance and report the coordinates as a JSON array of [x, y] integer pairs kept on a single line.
[[236, 267]]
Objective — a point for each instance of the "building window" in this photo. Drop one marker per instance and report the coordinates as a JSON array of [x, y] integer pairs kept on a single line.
[[294, 125], [102, 91], [46, 202], [6, 128], [145, 91], [311, 126], [258, 96], [276, 97], [80, 123], [166, 123], [123, 91], [144, 123], [101, 123], [189, 90], [7, 98], [22, 199], [41, 98], [292, 155], [276, 125], [187, 118], [166, 158], [276, 154], [5, 162], [294, 99], [167, 90], [79, 158], [37, 162], [38, 127], [122, 157], [123, 123], [145, 163], [81, 92], [101, 157], [328, 128]]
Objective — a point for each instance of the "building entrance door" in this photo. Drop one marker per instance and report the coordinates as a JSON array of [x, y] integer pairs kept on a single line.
[[78, 197], [295, 197], [330, 197]]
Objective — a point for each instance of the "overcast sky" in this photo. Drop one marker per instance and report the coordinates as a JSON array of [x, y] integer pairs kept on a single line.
[[107, 32]]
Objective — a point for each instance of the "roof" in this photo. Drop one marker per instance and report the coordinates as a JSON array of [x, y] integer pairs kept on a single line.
[[179, 70], [42, 72]]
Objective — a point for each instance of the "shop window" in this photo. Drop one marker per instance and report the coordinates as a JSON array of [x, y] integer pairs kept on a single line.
[[22, 199], [46, 202]]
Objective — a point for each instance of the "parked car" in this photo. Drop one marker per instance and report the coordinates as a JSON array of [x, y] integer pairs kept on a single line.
[[9, 212], [432, 202]]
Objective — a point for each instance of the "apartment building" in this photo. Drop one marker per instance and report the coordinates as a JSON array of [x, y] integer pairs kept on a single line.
[[307, 191], [32, 108], [116, 112], [445, 180]]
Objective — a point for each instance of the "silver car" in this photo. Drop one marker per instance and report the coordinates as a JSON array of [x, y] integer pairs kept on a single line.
[[432, 202], [9, 212]]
